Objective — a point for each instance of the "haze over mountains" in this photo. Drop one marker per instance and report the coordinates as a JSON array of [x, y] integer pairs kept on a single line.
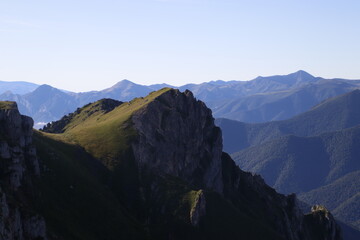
[[315, 154], [259, 100], [17, 87]]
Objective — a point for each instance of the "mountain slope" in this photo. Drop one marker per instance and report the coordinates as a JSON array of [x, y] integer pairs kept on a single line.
[[322, 169], [182, 185], [288, 159], [280, 105], [44, 103], [331, 115], [341, 196], [75, 199]]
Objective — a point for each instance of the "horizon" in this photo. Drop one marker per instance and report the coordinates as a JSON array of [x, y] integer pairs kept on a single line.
[[81, 46], [175, 86]]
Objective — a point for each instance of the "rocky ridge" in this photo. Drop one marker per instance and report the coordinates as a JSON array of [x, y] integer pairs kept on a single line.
[[177, 136], [19, 164], [182, 184]]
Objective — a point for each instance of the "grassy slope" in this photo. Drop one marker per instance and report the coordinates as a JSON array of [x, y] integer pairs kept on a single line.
[[98, 205], [74, 199], [105, 136]]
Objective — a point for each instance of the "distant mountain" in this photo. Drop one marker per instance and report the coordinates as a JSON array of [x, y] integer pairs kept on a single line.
[[17, 87], [46, 103], [342, 196], [124, 90], [270, 98], [315, 154], [259, 100], [220, 90], [156, 87], [331, 115], [322, 169], [263, 107]]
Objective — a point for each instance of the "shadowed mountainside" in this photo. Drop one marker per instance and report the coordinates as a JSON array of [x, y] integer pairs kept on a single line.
[[314, 154], [331, 115]]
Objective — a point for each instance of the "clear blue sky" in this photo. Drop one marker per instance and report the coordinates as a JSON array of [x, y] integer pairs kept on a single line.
[[85, 45]]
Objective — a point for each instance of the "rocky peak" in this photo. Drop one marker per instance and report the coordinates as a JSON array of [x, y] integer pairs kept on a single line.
[[177, 136], [16, 128]]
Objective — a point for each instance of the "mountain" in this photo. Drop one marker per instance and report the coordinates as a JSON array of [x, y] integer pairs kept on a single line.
[[46, 103], [17, 87], [156, 87], [342, 197], [124, 90], [220, 91], [333, 114], [271, 106], [151, 168], [259, 100], [314, 154], [321, 169]]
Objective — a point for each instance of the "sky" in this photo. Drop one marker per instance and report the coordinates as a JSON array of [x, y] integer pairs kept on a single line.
[[90, 45]]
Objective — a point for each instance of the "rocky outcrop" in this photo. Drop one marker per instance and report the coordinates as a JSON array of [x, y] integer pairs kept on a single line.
[[199, 209], [177, 136], [282, 212], [19, 164], [322, 223]]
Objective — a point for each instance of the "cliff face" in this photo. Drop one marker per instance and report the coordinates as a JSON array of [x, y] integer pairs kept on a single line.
[[19, 164], [177, 136], [282, 212]]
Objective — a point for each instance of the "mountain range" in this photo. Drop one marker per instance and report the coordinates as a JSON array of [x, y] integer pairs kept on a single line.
[[260, 100], [309, 150], [17, 87], [314, 154], [150, 168]]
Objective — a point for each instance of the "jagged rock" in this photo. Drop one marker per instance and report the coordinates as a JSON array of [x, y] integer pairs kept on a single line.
[[18, 163], [322, 223], [199, 209], [177, 136]]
